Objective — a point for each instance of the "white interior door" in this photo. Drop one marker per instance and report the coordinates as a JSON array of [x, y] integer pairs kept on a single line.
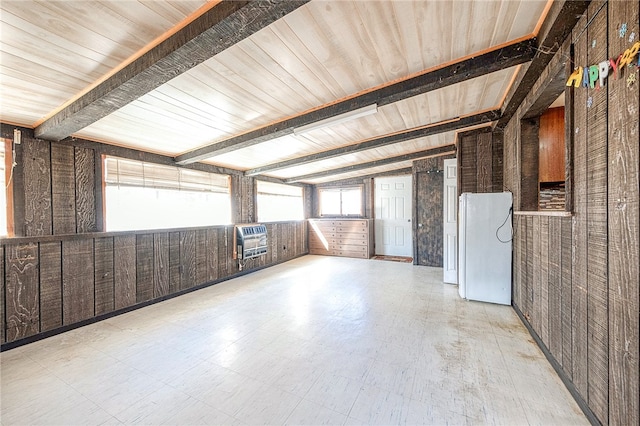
[[393, 216], [450, 222]]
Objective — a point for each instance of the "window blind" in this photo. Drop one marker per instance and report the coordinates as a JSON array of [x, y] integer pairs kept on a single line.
[[270, 188], [125, 172]]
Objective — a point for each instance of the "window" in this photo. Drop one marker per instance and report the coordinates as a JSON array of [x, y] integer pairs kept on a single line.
[[341, 201], [277, 202], [3, 192], [150, 196]]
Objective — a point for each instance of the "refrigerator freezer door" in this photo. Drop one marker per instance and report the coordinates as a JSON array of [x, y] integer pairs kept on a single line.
[[487, 259]]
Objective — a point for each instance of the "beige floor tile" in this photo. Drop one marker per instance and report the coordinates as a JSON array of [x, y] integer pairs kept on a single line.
[[309, 413], [268, 406], [155, 408], [334, 392], [317, 340], [376, 406]]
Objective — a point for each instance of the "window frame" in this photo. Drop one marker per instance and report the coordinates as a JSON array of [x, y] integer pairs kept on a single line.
[[160, 183], [258, 193], [341, 190], [8, 147]]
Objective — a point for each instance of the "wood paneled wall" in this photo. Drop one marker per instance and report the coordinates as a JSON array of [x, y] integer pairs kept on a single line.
[[59, 271], [51, 282], [577, 279], [480, 159]]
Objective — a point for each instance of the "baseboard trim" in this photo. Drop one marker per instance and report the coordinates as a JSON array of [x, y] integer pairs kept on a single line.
[[561, 373]]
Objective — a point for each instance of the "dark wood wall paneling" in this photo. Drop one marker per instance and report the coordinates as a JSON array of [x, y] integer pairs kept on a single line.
[[576, 279], [480, 161], [22, 298], [65, 280], [32, 188], [623, 227], [50, 286], [528, 166]]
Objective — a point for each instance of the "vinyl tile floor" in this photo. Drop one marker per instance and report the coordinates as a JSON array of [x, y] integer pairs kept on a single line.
[[317, 340]]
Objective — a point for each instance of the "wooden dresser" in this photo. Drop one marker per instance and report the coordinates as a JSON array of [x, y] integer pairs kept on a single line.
[[341, 237]]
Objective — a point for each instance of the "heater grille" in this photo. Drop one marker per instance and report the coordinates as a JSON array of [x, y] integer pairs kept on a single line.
[[251, 241]]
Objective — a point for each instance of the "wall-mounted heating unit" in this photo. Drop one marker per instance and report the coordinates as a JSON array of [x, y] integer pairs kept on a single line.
[[250, 241]]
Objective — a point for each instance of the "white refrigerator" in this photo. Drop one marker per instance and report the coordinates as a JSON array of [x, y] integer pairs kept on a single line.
[[485, 234]]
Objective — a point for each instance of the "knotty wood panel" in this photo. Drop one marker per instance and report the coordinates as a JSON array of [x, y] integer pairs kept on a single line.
[[567, 291], [104, 296], [580, 228], [62, 191], [212, 254], [480, 161], [50, 286], [85, 190], [174, 262], [161, 264], [517, 261], [225, 239], [554, 292], [124, 265], [77, 281], [35, 187], [22, 301], [275, 243], [484, 161], [202, 273], [528, 282], [497, 167], [529, 164], [2, 290], [467, 163], [623, 229], [535, 273], [597, 315], [543, 280], [144, 267], [187, 259], [511, 137]]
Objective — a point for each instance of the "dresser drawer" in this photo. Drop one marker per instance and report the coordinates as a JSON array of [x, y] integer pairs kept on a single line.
[[351, 223], [352, 241], [340, 237]]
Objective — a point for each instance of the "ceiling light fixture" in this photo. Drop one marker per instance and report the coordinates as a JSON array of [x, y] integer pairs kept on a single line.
[[338, 119]]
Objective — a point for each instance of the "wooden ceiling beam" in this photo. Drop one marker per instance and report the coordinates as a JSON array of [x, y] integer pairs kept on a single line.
[[415, 133], [561, 19], [494, 60], [433, 152], [217, 29]]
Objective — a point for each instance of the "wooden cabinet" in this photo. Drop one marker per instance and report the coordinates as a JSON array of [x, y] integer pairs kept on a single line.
[[552, 152], [341, 237]]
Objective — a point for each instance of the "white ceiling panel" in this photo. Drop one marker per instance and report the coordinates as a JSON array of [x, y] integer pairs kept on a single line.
[[321, 53]]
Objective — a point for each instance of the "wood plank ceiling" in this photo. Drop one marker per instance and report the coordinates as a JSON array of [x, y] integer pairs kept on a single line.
[[319, 59]]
